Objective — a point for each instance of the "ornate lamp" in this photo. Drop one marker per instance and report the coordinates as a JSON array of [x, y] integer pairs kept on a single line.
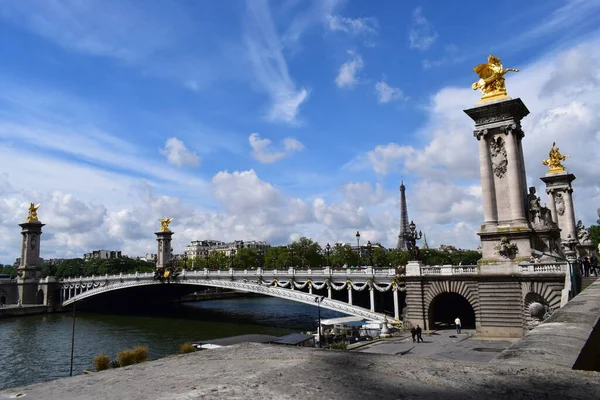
[[327, 252]]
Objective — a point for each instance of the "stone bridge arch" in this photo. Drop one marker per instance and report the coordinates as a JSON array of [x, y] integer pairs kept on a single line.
[[452, 298], [546, 293]]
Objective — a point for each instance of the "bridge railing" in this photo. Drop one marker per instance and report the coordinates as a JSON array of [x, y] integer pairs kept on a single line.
[[304, 273], [447, 270]]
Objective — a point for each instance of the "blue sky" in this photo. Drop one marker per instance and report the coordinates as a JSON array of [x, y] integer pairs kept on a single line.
[[271, 120]]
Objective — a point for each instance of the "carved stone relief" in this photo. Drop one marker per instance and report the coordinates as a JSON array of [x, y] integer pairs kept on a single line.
[[493, 118], [559, 201], [498, 154]]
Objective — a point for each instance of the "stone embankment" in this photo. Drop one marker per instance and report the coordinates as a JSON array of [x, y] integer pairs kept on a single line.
[[15, 311], [255, 371]]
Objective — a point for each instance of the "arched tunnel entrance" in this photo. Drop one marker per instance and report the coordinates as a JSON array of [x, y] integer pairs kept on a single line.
[[444, 309]]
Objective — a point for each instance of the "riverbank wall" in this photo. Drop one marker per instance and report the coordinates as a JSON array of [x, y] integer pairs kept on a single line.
[[20, 311]]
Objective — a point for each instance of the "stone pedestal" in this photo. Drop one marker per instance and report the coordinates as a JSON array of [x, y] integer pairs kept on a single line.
[[560, 202], [29, 270], [505, 232], [164, 252]]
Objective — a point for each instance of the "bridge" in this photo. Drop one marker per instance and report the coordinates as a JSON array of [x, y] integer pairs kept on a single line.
[[300, 285]]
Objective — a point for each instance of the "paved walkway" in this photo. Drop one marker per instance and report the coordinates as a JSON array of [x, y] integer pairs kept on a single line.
[[442, 345]]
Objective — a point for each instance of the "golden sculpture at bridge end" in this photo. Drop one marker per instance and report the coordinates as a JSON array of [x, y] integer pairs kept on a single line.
[[164, 224], [555, 159], [32, 213], [491, 80]]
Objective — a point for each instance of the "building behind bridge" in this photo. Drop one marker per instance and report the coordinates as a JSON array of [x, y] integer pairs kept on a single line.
[[203, 248]]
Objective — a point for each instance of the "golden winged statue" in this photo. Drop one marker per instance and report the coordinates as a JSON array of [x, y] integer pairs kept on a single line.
[[32, 216], [555, 159], [491, 79], [164, 224]]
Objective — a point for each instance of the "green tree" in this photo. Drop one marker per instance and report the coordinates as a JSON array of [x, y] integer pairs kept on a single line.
[[8, 270], [277, 258], [595, 234], [381, 257], [397, 257], [245, 258], [307, 253], [218, 260], [343, 254], [69, 268]]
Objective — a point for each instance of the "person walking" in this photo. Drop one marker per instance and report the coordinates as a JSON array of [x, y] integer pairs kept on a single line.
[[419, 337], [586, 267], [457, 322], [594, 265], [413, 332]]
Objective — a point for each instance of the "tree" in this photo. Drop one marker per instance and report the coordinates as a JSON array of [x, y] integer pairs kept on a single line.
[[307, 253], [381, 257], [218, 259], [8, 270], [343, 254], [245, 258], [398, 257], [277, 258], [595, 234]]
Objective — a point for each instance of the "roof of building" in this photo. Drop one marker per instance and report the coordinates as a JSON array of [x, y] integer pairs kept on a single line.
[[294, 339]]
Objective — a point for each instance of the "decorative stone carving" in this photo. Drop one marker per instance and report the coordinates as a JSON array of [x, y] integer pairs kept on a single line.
[[538, 215], [507, 249], [498, 155], [493, 118], [559, 201], [583, 234]]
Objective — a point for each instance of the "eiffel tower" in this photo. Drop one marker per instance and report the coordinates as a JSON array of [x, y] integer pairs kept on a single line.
[[402, 243]]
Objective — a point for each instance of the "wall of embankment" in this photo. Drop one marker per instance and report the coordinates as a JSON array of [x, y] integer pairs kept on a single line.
[[569, 338]]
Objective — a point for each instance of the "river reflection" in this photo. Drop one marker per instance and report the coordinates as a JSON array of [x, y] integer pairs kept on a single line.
[[37, 348]]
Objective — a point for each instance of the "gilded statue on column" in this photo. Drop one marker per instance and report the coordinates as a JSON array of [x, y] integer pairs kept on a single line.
[[491, 79], [32, 215], [555, 159], [164, 224]]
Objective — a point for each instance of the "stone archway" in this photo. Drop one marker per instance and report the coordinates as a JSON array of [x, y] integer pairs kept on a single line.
[[461, 299], [444, 309]]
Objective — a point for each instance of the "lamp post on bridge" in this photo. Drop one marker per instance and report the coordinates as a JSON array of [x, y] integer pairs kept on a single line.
[[206, 259], [318, 300], [411, 238], [358, 246], [370, 253], [231, 257], [327, 252], [291, 248]]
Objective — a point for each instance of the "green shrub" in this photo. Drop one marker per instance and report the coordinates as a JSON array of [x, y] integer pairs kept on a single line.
[[339, 346], [186, 348], [140, 354], [126, 357], [101, 362]]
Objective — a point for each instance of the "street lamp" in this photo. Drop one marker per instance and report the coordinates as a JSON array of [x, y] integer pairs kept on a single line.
[[411, 238], [370, 252], [358, 246], [327, 252], [206, 259], [318, 300], [232, 256], [291, 247]]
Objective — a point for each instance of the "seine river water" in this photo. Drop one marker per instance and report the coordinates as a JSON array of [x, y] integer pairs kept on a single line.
[[37, 348]]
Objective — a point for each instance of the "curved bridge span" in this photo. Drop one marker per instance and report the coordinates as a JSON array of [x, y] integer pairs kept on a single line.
[[285, 284]]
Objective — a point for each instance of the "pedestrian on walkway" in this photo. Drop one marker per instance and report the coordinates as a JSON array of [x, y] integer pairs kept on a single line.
[[586, 267], [457, 322], [594, 265], [413, 332], [419, 337]]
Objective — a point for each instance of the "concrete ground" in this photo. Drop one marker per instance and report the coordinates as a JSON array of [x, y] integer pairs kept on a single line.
[[442, 345], [258, 371]]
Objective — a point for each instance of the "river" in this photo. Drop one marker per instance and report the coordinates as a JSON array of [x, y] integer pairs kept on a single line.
[[37, 348]]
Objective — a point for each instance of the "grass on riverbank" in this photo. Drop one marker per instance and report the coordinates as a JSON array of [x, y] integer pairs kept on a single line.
[[138, 354]]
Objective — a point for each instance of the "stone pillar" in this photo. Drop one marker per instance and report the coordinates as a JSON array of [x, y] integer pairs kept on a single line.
[[310, 288], [29, 269], [396, 305], [490, 214], [329, 292], [164, 251], [503, 184], [372, 298], [560, 201], [515, 174], [349, 295]]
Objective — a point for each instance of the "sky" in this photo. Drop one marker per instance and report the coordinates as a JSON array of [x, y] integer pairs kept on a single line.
[[258, 120]]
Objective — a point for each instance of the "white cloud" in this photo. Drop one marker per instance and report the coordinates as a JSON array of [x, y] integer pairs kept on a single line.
[[179, 155], [354, 26], [422, 33], [346, 76], [386, 93], [270, 67], [263, 151]]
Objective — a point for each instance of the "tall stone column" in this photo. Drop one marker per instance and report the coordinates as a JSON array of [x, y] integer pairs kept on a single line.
[[560, 202], [164, 251], [490, 214], [503, 185], [30, 266], [515, 174], [396, 305]]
